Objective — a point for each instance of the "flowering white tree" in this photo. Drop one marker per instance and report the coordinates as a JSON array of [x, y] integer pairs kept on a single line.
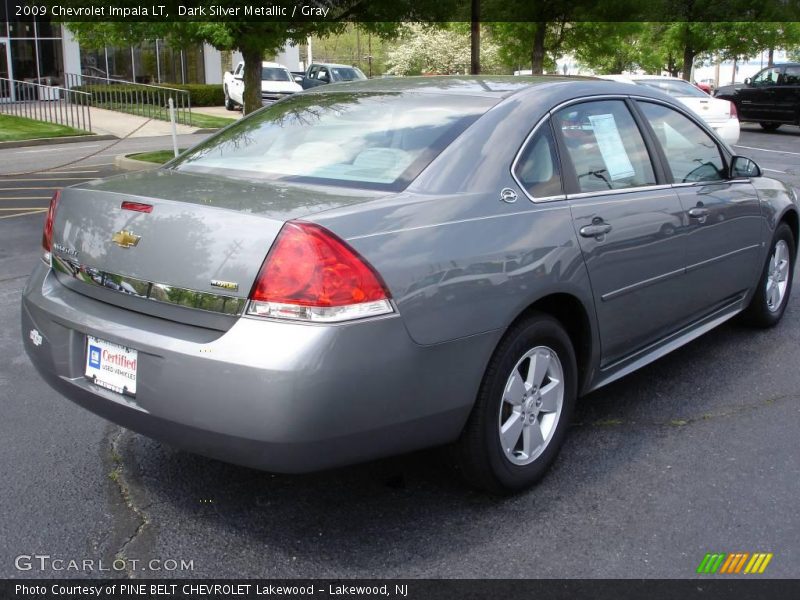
[[424, 49]]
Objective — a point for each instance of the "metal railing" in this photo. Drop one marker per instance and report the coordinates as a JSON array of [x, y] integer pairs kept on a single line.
[[141, 99], [46, 103]]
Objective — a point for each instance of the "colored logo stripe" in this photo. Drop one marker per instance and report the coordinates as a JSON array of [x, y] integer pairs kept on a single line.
[[733, 563]]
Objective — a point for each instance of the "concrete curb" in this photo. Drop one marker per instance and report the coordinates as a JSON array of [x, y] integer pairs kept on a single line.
[[131, 164], [55, 141]]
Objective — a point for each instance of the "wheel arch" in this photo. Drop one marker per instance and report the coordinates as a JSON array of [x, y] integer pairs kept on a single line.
[[574, 316], [790, 217]]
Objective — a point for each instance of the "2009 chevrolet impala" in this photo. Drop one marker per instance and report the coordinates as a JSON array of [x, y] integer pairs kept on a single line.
[[390, 265]]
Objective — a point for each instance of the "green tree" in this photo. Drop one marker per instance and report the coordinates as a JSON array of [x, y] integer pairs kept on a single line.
[[257, 39], [440, 49]]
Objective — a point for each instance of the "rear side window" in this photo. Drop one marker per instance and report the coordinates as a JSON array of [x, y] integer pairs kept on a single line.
[[791, 76], [605, 146], [691, 153], [537, 168]]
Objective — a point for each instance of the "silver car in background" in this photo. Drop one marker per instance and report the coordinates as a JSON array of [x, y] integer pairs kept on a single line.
[[721, 115], [377, 267]]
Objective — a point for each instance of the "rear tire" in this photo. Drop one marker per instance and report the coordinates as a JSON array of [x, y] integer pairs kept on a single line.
[[523, 409], [769, 126], [775, 284]]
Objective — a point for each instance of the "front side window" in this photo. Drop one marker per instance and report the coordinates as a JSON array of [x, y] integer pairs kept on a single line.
[[605, 146], [537, 169], [766, 77], [358, 139], [691, 153]]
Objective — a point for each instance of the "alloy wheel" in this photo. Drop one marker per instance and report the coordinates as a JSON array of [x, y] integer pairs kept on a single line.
[[531, 407]]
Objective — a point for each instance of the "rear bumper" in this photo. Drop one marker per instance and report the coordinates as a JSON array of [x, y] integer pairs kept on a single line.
[[727, 130], [278, 396]]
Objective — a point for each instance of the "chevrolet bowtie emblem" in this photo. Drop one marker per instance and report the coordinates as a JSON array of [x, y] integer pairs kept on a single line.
[[125, 239]]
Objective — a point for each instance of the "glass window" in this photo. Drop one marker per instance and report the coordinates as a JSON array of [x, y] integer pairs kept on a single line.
[[3, 19], [766, 77], [791, 76], [691, 153], [537, 168], [347, 74], [23, 60], [674, 87], [275, 74], [51, 62], [605, 146], [367, 140]]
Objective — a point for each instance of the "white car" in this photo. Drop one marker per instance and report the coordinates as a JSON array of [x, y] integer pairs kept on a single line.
[[719, 114], [276, 82]]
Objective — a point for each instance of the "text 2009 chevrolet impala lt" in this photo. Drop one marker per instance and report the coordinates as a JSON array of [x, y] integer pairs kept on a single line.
[[391, 265]]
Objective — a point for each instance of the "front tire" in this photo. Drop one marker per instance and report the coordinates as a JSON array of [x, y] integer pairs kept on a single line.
[[229, 105], [766, 126], [772, 295], [523, 409]]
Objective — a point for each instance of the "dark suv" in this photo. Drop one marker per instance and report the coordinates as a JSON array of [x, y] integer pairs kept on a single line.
[[770, 98]]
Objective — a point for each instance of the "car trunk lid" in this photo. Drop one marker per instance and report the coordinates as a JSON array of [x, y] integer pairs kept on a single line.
[[712, 110], [196, 242]]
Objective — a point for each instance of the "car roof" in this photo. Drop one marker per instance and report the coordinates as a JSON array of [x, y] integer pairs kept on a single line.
[[337, 65], [272, 65]]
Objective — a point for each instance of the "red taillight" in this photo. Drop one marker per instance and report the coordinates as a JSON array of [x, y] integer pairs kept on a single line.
[[734, 112], [311, 274], [137, 207], [47, 234]]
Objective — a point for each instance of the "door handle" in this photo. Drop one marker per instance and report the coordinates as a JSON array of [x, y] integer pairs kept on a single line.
[[698, 212], [596, 229]]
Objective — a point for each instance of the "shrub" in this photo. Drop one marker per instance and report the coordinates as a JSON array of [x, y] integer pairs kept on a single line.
[[199, 94]]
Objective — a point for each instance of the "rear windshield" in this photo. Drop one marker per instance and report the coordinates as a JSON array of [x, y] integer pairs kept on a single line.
[[275, 74], [674, 87], [347, 74], [363, 140]]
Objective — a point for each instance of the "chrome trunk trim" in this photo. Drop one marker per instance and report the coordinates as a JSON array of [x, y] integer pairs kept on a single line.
[[149, 290]]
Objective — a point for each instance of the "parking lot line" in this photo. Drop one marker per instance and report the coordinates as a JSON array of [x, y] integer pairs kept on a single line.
[[25, 198], [766, 150], [48, 179], [17, 189], [71, 172], [28, 211], [53, 149], [67, 169], [772, 170]]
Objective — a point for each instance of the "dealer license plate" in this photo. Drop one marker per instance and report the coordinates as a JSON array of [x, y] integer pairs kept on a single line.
[[111, 366]]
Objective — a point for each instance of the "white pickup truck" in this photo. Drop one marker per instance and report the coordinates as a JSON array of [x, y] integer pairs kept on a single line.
[[276, 83]]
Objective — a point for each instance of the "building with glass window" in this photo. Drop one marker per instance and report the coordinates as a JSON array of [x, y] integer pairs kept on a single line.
[[43, 52]]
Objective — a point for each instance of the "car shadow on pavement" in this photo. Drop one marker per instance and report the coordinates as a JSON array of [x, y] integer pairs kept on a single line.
[[401, 515]]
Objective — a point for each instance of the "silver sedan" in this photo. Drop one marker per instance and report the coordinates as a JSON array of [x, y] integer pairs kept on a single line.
[[377, 267]]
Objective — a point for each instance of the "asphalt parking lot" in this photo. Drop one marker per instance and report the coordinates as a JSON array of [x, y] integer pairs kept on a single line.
[[696, 453]]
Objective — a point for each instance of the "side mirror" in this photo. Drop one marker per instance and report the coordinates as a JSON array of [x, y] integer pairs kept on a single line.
[[240, 76], [748, 81], [742, 166]]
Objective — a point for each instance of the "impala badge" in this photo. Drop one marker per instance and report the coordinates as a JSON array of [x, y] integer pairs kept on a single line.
[[225, 285], [125, 239]]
